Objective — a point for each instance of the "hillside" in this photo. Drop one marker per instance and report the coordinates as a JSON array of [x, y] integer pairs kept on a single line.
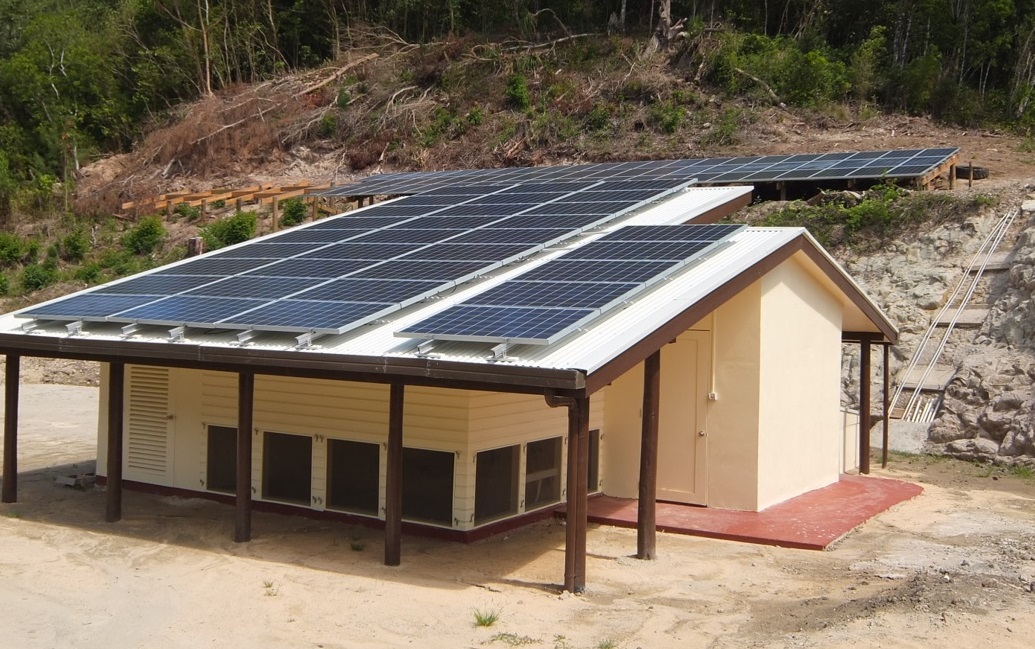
[[396, 106]]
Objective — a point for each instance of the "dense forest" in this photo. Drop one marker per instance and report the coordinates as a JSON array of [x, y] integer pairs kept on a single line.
[[80, 78]]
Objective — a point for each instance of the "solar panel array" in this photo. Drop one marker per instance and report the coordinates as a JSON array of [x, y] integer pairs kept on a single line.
[[901, 164], [557, 297], [345, 271]]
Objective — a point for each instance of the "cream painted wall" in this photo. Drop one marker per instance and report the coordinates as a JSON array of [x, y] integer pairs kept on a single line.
[[458, 421], [733, 416], [800, 428]]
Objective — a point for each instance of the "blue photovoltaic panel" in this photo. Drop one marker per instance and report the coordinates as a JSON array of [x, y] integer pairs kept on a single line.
[[179, 309], [253, 287], [90, 306], [561, 270], [319, 276], [285, 314], [314, 268], [371, 290], [552, 294], [906, 164], [157, 284], [564, 293], [491, 323]]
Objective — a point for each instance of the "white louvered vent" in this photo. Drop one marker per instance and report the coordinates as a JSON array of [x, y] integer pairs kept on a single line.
[[147, 420]]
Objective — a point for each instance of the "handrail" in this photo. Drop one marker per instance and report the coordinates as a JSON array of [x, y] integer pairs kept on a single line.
[[988, 247]]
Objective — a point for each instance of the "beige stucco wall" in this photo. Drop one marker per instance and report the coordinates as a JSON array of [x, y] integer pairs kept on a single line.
[[800, 428], [460, 421]]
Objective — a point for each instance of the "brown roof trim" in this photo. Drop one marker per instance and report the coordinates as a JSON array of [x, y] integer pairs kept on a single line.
[[720, 212], [673, 328], [410, 371]]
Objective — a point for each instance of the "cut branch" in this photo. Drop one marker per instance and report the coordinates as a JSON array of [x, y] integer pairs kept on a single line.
[[336, 75], [765, 86]]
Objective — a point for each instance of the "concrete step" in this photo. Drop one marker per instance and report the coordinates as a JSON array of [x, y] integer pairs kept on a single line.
[[997, 261], [968, 318], [937, 379]]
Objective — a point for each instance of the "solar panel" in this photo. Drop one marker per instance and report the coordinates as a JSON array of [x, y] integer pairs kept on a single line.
[[335, 274], [903, 164], [562, 294]]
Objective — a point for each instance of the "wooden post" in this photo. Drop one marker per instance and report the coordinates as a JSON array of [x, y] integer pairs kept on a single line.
[[952, 176], [204, 209], [864, 405], [582, 495], [11, 376], [243, 503], [646, 520], [276, 209], [886, 427], [116, 387], [970, 174], [195, 246], [314, 208], [393, 477]]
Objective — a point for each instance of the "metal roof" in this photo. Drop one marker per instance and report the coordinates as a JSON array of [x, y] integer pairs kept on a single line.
[[374, 352]]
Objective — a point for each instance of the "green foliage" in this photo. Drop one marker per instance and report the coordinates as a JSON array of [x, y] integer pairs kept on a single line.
[[189, 212], [517, 95], [343, 99], [74, 246], [666, 116], [226, 232], [37, 276], [513, 639], [145, 237], [12, 250], [5, 284], [486, 617], [91, 273], [725, 129], [293, 212], [328, 125], [599, 117]]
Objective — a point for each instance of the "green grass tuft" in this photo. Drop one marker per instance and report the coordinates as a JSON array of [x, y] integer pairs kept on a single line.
[[486, 617]]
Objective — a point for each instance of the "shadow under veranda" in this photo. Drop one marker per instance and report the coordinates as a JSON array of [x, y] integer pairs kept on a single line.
[[346, 549]]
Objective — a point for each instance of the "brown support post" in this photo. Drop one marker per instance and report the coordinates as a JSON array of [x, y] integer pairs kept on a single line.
[[243, 503], [952, 176], [885, 428], [646, 521], [11, 376], [276, 209], [864, 406], [116, 387], [970, 174], [582, 494], [576, 489], [393, 477]]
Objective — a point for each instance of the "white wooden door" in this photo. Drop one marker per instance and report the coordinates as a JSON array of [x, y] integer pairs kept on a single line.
[[682, 434]]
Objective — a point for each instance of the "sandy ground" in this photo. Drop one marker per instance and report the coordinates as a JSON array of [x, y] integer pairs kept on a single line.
[[955, 566]]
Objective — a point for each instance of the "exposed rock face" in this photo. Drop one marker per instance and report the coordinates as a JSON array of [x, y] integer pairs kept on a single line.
[[988, 411]]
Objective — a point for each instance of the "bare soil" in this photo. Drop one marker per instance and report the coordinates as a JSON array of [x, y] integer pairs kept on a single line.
[[954, 566]]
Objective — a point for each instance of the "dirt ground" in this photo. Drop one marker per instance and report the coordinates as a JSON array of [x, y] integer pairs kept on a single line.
[[955, 566]]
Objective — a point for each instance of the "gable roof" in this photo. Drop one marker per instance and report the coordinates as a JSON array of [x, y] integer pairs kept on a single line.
[[580, 363]]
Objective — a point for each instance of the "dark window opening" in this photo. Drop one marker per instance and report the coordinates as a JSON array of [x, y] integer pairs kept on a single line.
[[496, 483], [287, 467], [594, 461], [353, 475], [221, 465], [427, 478], [543, 473]]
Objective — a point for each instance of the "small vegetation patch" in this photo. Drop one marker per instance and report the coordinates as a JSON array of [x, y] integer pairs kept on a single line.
[[512, 639], [145, 237], [226, 232], [294, 211], [486, 617]]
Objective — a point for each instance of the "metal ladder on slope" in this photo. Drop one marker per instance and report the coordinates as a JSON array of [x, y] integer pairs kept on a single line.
[[919, 408]]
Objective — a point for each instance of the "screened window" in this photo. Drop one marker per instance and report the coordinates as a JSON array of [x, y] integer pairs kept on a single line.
[[543, 473], [353, 473], [427, 485], [287, 467], [221, 464], [496, 483]]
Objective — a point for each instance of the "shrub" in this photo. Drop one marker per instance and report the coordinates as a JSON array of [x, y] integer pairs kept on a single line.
[[186, 211], [144, 237], [517, 95], [666, 117], [5, 284], [37, 276], [12, 249], [88, 273], [293, 213], [234, 229], [75, 246]]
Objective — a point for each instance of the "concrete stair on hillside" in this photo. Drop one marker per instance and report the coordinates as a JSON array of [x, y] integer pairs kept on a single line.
[[997, 261], [967, 319], [937, 379]]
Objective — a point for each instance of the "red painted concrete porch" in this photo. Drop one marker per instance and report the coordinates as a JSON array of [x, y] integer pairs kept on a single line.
[[811, 521]]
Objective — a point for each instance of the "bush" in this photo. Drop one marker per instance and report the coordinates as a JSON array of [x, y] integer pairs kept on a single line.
[[517, 95], [37, 276], [88, 273], [234, 229], [144, 237], [75, 246], [666, 117], [5, 284], [188, 212], [12, 249], [293, 213]]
